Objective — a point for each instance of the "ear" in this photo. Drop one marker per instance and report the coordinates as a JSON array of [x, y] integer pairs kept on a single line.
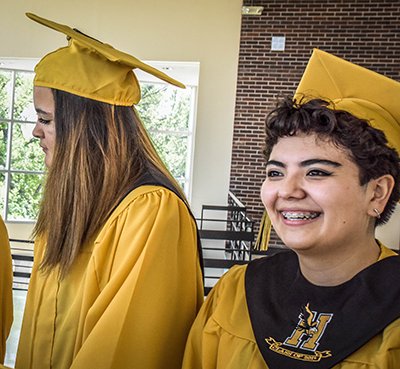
[[381, 190]]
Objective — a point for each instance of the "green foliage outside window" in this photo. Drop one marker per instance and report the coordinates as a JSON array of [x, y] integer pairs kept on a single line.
[[164, 110], [24, 196], [21, 159], [5, 94]]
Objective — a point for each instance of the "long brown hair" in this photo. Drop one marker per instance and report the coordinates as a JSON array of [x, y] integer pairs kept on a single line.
[[100, 151]]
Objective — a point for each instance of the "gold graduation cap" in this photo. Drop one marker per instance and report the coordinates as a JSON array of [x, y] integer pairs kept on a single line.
[[92, 69], [360, 91]]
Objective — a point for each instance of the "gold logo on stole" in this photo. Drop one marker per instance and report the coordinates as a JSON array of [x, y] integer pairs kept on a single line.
[[306, 336]]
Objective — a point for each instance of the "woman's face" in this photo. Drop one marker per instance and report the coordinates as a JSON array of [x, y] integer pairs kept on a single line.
[[45, 128], [313, 196]]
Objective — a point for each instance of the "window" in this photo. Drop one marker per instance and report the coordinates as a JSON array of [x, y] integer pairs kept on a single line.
[[21, 158], [166, 111]]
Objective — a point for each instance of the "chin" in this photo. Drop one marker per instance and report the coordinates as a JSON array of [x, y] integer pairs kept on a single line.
[[297, 244], [48, 160]]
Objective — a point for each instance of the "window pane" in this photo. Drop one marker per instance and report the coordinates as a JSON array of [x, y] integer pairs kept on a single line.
[[3, 144], [23, 103], [173, 151], [24, 196], [5, 94], [26, 151], [164, 108]]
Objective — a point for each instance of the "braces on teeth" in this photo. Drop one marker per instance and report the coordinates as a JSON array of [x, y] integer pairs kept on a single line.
[[297, 216]]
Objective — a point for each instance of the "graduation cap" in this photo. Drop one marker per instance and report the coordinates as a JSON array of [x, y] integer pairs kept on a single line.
[[349, 87], [92, 69], [360, 91]]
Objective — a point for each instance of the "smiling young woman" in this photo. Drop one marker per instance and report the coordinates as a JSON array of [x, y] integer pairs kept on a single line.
[[333, 299], [316, 197], [318, 207]]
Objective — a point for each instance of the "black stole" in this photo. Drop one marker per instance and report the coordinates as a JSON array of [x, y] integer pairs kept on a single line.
[[299, 325]]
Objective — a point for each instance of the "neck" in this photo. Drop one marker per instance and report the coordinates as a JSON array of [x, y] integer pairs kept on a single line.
[[333, 270]]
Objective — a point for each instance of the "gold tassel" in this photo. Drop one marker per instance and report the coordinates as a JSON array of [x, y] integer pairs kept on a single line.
[[264, 233]]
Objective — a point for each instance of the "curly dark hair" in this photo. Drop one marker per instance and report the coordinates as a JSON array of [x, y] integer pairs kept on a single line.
[[367, 146]]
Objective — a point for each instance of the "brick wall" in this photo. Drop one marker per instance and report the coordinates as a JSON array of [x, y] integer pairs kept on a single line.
[[365, 32]]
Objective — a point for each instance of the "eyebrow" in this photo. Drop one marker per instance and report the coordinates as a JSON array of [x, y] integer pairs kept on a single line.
[[41, 111], [306, 163]]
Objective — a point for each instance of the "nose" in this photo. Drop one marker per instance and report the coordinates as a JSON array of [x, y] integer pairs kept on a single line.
[[37, 131], [291, 188]]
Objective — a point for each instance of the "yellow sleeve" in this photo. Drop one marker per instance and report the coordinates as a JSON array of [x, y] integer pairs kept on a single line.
[[146, 265], [221, 336], [6, 278], [202, 346]]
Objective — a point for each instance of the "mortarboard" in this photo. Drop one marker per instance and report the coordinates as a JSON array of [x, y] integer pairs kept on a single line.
[[92, 69], [360, 91]]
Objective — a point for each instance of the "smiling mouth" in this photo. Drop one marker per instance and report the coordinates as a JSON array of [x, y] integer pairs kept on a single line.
[[301, 215]]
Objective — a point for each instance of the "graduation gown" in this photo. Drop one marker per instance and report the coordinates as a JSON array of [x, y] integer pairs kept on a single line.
[[130, 298], [6, 280], [222, 336]]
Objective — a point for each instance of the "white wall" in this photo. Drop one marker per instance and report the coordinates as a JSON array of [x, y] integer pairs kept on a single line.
[[205, 31], [389, 234]]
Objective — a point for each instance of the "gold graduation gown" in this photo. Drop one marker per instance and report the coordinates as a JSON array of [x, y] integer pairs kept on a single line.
[[6, 279], [130, 298], [222, 335]]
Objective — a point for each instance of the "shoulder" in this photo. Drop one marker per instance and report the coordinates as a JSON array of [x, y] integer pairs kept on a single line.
[[151, 223], [143, 207], [229, 289], [147, 198], [232, 282], [147, 193], [226, 305]]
